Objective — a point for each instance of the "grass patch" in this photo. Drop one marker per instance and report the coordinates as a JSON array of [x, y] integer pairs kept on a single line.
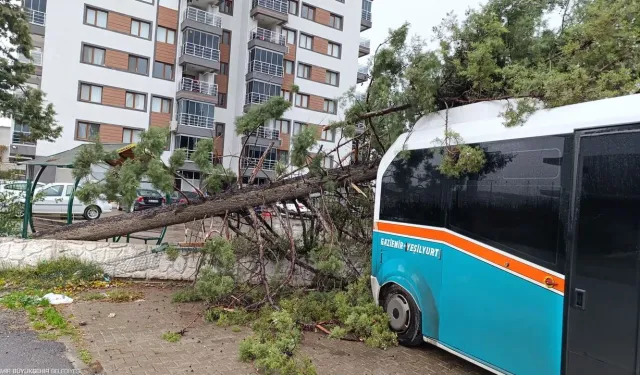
[[236, 329], [85, 356], [124, 295], [186, 295], [48, 336], [93, 296], [226, 318], [53, 275], [171, 336]]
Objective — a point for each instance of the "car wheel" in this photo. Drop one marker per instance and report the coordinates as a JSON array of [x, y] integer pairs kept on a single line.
[[20, 211], [404, 316], [92, 212]]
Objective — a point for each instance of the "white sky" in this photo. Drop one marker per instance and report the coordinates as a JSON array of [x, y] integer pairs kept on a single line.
[[423, 15]]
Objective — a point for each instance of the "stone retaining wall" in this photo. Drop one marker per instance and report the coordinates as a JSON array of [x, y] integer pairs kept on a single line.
[[117, 259]]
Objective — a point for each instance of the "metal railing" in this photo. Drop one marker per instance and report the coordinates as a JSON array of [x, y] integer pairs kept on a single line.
[[363, 69], [266, 68], [256, 98], [279, 6], [365, 43], [36, 17], [267, 133], [203, 52], [206, 88], [191, 152], [267, 35], [19, 138], [195, 120], [36, 58], [269, 165], [202, 16]]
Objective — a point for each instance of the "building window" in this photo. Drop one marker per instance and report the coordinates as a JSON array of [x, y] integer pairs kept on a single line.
[[226, 37], [165, 35], [265, 61], [286, 94], [334, 49], [302, 100], [147, 1], [332, 78], [219, 130], [160, 105], [328, 134], [96, 17], [329, 106], [283, 126], [308, 12], [131, 135], [140, 28], [136, 101], [90, 93], [304, 71], [259, 92], [226, 7], [87, 132], [138, 65], [21, 134], [205, 111], [162, 70], [93, 55], [222, 100], [201, 38], [306, 41], [298, 127], [288, 67], [293, 7], [335, 21], [290, 34], [224, 69], [327, 162]]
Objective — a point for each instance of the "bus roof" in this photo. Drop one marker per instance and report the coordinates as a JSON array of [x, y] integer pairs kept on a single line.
[[482, 122]]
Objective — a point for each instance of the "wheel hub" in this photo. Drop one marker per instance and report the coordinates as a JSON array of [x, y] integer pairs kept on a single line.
[[399, 313]]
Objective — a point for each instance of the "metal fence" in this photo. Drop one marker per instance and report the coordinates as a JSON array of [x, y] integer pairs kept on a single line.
[[266, 68], [195, 120], [279, 6], [203, 52], [206, 88], [201, 16]]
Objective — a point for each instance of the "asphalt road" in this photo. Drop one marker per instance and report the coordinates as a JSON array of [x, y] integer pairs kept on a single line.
[[22, 352]]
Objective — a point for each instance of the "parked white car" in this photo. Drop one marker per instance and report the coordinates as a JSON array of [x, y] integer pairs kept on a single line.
[[291, 208], [15, 188], [54, 199]]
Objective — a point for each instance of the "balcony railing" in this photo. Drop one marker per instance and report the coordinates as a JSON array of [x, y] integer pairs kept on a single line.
[[269, 165], [365, 43], [36, 58], [200, 51], [20, 138], [36, 17], [191, 152], [268, 36], [267, 133], [255, 98], [201, 16], [195, 120], [363, 69], [266, 68], [280, 6], [202, 87]]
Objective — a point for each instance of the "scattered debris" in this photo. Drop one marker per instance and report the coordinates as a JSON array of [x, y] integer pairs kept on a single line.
[[112, 315], [57, 299]]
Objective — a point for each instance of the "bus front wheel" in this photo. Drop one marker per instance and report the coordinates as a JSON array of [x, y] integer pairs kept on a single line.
[[404, 316]]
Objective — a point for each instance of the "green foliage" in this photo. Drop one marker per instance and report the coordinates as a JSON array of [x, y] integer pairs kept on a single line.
[[171, 336], [273, 346], [51, 274], [86, 356], [328, 259], [121, 295], [258, 115], [225, 317], [216, 175], [213, 286], [24, 104], [172, 253], [301, 145], [186, 295]]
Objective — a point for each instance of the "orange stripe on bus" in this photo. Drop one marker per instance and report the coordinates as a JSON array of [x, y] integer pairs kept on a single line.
[[480, 251]]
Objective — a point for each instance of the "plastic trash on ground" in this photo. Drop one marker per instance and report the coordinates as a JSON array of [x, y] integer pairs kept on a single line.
[[57, 299]]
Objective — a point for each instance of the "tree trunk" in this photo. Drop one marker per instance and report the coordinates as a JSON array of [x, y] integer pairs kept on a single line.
[[231, 201]]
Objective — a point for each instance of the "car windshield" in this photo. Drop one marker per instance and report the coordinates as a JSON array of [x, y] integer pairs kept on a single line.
[[148, 193]]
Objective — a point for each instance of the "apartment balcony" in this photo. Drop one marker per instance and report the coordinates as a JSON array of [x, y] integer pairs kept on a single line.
[[263, 137], [191, 152], [199, 19], [254, 98], [365, 20], [20, 145], [37, 20], [265, 72], [268, 167], [363, 73], [197, 90], [268, 39], [270, 12], [197, 58], [195, 125], [364, 48]]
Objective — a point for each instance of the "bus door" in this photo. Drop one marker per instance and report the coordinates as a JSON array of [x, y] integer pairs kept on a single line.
[[603, 293]]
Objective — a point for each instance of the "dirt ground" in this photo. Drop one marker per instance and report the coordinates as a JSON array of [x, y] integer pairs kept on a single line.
[[131, 343]]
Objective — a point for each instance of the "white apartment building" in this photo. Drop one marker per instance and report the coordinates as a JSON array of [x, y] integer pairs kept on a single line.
[[113, 68]]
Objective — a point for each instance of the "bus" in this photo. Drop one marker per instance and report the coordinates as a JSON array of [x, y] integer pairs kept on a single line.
[[530, 266]]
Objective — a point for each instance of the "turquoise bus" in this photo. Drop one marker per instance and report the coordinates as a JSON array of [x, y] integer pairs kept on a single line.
[[531, 266]]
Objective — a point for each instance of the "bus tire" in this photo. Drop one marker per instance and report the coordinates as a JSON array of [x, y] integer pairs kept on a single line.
[[404, 316]]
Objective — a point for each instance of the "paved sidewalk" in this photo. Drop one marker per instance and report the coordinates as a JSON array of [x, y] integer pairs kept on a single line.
[[131, 343]]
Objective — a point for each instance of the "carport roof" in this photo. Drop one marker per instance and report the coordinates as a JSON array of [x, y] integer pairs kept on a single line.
[[65, 159]]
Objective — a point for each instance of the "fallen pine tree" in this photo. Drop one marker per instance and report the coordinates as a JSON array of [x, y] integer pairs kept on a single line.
[[217, 205]]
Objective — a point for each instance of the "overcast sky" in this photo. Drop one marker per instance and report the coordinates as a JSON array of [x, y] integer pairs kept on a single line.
[[423, 15]]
